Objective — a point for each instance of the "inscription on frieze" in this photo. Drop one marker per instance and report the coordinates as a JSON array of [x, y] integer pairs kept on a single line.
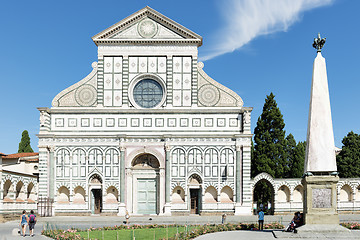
[[321, 198]]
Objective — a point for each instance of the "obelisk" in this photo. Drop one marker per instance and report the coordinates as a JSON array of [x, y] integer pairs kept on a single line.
[[320, 176]]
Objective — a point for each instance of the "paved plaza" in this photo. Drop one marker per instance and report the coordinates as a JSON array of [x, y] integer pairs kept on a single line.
[[62, 222]]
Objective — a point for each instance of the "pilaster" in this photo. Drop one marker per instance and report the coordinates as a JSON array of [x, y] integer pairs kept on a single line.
[[167, 207]]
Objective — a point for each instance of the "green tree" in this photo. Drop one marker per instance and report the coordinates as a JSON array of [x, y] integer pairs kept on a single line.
[[269, 140], [24, 145], [348, 160], [295, 157]]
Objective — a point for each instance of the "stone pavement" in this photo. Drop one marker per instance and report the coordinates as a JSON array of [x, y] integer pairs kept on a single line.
[[65, 222]]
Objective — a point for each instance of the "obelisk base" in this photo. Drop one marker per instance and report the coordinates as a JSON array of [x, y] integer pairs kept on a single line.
[[320, 199]]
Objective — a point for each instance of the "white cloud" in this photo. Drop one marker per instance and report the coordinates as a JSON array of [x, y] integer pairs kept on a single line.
[[248, 19]]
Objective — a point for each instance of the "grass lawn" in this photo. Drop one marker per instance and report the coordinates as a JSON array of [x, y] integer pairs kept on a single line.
[[149, 233]]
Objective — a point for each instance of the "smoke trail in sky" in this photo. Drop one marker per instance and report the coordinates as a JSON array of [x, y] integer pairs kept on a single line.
[[248, 19]]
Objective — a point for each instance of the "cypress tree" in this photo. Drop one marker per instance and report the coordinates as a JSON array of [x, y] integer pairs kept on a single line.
[[348, 160], [297, 167], [295, 157], [24, 145], [269, 139]]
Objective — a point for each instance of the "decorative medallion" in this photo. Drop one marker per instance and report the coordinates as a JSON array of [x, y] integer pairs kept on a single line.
[[147, 28], [208, 95], [85, 95]]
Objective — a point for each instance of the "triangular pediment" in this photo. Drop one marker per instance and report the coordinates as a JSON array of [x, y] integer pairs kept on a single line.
[[147, 26]]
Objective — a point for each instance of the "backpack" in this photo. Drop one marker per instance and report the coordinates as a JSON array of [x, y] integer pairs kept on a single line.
[[32, 218]]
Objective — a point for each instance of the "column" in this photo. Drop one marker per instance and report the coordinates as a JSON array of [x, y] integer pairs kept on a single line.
[[238, 174], [51, 172]]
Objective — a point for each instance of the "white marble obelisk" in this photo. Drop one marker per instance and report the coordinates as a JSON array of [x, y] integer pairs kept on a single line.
[[320, 148], [320, 179]]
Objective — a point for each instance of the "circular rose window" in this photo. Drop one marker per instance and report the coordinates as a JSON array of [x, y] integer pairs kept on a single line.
[[148, 93]]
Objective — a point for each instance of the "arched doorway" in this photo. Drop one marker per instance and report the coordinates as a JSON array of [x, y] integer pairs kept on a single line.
[[95, 186], [145, 172], [263, 197], [195, 191]]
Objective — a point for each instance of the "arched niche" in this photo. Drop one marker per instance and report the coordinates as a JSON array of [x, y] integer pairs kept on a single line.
[[20, 191], [63, 195], [30, 193], [79, 195], [111, 195], [226, 195], [283, 194], [210, 195], [7, 189], [357, 196], [345, 194], [298, 194], [178, 195]]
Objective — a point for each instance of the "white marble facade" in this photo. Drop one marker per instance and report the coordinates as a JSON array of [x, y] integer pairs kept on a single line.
[[147, 130]]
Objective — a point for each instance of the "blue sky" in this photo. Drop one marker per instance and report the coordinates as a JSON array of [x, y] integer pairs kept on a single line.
[[253, 47]]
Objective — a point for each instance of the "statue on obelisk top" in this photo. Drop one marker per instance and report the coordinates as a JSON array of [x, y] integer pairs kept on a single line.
[[319, 43]]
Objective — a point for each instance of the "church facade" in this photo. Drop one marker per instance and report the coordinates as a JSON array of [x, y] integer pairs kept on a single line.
[[147, 131]]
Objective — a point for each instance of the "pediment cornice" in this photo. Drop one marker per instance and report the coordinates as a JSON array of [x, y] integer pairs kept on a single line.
[[187, 36]]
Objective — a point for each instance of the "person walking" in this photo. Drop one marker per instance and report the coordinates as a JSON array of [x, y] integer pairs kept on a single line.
[[261, 220], [127, 217], [32, 222], [23, 222], [223, 218]]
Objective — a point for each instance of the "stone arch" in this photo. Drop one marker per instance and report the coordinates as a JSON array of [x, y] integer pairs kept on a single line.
[[134, 154], [62, 155], [178, 195], [30, 193], [263, 176], [145, 160], [63, 195], [20, 192], [195, 179], [345, 193], [178, 155], [180, 184], [79, 195], [283, 194], [195, 155], [95, 178], [210, 195], [211, 155], [112, 155], [77, 157], [95, 156], [111, 195], [8, 189], [226, 195], [298, 193], [262, 182], [357, 193], [227, 153]]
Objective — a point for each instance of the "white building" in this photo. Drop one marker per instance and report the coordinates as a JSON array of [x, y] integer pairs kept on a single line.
[[147, 130], [18, 182]]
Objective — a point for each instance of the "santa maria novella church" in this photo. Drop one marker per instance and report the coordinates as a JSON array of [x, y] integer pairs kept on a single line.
[[147, 130]]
